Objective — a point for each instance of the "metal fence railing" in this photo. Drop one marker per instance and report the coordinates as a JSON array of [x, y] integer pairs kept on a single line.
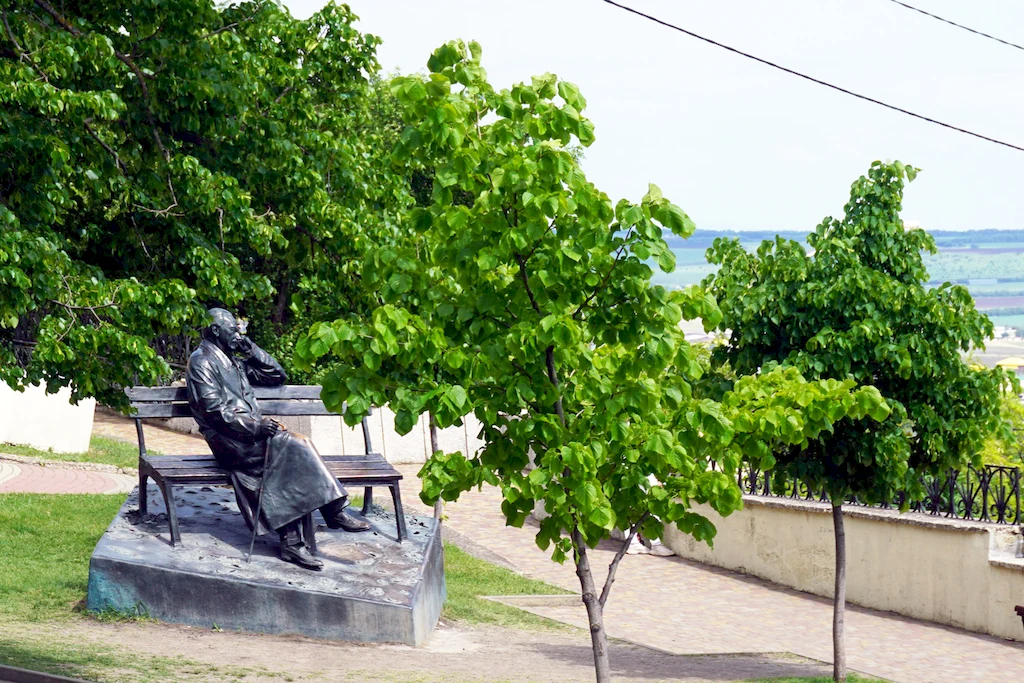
[[991, 494]]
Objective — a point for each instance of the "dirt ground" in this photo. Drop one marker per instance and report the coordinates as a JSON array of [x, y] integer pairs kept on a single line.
[[454, 653]]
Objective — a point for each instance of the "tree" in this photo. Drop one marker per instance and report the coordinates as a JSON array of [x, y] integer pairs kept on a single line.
[[1006, 448], [160, 157], [857, 308], [531, 306]]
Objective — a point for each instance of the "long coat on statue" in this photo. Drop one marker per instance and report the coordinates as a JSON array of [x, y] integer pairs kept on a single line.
[[296, 480]]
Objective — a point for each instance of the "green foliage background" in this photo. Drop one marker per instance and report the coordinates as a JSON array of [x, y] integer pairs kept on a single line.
[[160, 158]]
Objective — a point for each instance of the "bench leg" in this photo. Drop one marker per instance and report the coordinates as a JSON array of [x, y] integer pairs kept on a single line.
[[367, 500], [309, 532], [172, 513], [396, 496], [143, 498]]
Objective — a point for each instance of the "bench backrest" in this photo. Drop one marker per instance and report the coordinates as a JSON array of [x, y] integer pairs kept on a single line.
[[286, 400]]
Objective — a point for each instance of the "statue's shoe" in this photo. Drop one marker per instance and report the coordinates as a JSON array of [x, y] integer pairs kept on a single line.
[[300, 555], [343, 520]]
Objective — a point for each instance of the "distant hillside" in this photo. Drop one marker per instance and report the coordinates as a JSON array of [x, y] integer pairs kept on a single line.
[[947, 239]]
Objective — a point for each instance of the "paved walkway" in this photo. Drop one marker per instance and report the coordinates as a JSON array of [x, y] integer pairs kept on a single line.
[[684, 607], [16, 477]]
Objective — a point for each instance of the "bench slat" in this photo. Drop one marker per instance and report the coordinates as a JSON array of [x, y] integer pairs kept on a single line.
[[348, 467], [166, 462], [362, 467], [180, 395], [347, 470], [271, 407]]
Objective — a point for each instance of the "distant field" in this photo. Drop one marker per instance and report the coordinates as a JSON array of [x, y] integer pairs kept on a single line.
[[985, 303], [950, 267], [999, 289], [1008, 321], [983, 250]]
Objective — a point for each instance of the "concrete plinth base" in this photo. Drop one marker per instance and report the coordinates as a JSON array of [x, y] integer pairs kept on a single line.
[[371, 589]]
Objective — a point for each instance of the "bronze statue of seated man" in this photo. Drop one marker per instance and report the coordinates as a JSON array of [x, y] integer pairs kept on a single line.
[[277, 475]]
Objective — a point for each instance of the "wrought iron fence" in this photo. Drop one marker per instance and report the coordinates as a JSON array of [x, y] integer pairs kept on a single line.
[[991, 494]]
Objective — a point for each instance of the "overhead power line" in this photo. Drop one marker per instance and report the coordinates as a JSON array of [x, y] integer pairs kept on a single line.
[[813, 79], [953, 23]]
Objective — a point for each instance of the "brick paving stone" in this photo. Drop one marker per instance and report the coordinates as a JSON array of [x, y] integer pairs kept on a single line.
[[159, 439], [36, 479], [8, 470]]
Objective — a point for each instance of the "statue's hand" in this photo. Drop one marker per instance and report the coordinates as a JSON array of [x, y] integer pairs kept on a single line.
[[269, 428], [245, 347]]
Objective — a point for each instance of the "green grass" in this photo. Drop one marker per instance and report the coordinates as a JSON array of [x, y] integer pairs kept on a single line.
[[468, 577], [851, 678], [46, 542], [101, 450], [40, 652]]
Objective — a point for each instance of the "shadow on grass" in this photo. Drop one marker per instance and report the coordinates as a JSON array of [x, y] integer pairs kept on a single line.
[[89, 663]]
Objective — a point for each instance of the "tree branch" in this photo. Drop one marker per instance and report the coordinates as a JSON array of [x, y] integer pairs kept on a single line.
[[604, 283], [537, 244], [549, 357], [23, 55], [64, 23], [526, 282], [614, 566], [232, 25], [92, 133]]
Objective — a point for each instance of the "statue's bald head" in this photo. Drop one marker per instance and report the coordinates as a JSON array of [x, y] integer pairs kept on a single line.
[[223, 330], [219, 316]]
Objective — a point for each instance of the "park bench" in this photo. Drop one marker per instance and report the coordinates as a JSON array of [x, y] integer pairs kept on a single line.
[[367, 470]]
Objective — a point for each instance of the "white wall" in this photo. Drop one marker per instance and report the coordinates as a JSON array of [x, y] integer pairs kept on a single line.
[[332, 436], [948, 571], [45, 421]]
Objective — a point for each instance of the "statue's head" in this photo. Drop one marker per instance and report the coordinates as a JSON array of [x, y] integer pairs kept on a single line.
[[223, 330]]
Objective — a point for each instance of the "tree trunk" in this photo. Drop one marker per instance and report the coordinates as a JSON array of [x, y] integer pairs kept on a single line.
[[281, 306], [434, 448], [595, 612], [839, 600]]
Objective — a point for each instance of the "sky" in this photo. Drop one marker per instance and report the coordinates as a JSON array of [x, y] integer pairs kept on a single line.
[[741, 146]]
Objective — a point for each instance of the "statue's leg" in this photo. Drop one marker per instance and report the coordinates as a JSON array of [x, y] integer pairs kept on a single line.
[[294, 550], [309, 532]]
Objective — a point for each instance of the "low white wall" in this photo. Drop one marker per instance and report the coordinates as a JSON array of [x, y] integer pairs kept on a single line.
[[45, 421], [331, 435], [952, 572]]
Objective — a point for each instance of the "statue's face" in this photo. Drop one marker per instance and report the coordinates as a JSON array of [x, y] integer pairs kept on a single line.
[[229, 337]]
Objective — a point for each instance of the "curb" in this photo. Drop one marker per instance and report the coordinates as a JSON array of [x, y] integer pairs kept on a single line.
[[69, 465], [12, 674]]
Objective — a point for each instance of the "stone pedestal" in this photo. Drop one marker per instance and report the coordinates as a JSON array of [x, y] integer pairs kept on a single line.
[[372, 589]]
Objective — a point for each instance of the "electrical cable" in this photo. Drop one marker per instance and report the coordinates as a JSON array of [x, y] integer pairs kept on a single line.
[[953, 23], [812, 79]]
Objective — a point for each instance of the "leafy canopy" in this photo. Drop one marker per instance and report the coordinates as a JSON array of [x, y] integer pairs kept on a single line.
[[160, 157], [531, 306], [856, 307]]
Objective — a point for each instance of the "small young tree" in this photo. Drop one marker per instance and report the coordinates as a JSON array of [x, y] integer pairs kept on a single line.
[[857, 307], [531, 306]]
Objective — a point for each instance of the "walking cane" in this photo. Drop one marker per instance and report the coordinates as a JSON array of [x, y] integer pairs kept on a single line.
[[259, 502]]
